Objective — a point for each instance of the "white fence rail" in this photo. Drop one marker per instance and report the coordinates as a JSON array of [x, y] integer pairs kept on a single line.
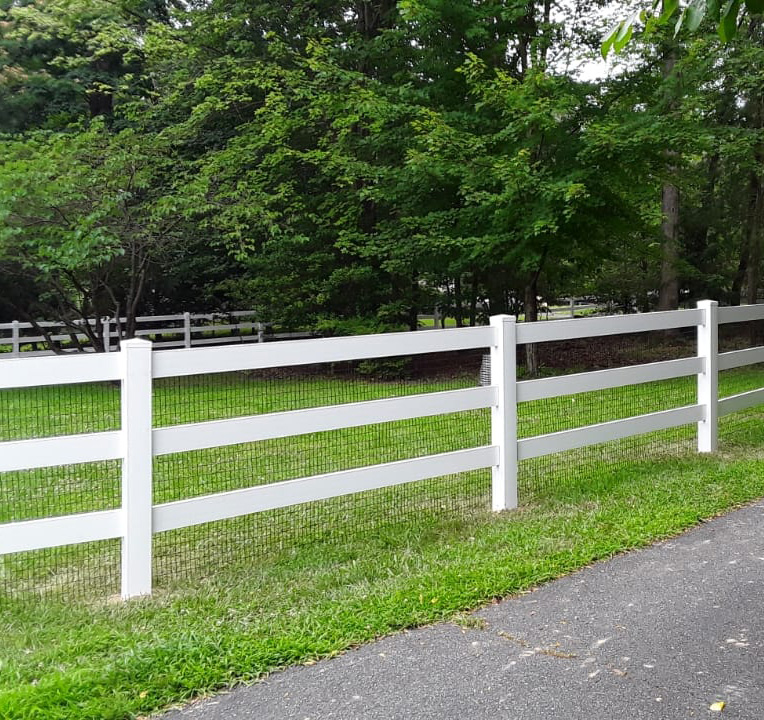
[[135, 366], [167, 331]]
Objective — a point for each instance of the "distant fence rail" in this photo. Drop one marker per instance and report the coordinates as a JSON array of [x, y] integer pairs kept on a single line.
[[136, 443], [183, 330]]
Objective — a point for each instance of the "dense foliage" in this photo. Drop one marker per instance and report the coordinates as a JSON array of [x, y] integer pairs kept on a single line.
[[351, 164]]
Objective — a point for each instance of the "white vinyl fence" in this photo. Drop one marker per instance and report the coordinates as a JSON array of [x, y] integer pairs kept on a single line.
[[137, 443], [167, 331]]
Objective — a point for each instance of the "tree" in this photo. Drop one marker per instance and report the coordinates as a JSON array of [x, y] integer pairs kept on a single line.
[[353, 163], [90, 216], [534, 198], [65, 60]]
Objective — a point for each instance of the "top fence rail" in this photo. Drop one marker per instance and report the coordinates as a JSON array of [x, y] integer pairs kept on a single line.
[[26, 371], [741, 313], [187, 330], [609, 325]]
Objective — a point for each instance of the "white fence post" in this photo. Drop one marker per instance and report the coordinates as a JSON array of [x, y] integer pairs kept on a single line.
[[136, 467], [708, 380], [187, 329], [15, 345], [504, 413]]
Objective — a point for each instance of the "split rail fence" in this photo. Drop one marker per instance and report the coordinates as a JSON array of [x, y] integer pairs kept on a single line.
[[137, 443]]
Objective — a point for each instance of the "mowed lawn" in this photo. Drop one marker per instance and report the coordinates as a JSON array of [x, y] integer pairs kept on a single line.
[[239, 599]]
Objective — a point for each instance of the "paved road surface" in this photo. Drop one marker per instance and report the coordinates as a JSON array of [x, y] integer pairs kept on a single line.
[[660, 633]]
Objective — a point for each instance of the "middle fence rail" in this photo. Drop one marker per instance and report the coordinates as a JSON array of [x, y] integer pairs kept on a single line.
[[136, 443]]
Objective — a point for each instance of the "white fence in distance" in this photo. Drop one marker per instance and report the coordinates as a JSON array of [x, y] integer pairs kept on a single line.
[[137, 443], [168, 331]]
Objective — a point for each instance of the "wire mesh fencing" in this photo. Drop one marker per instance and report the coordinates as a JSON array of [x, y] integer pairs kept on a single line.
[[735, 429], [559, 473], [196, 550], [81, 570], [91, 570]]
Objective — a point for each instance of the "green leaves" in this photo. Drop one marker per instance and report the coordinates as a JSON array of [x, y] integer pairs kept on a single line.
[[726, 16], [691, 16], [619, 35], [68, 60], [85, 213], [669, 8], [528, 189], [728, 20]]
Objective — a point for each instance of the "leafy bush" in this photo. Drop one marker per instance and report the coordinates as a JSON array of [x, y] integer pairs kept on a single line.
[[386, 369], [337, 327]]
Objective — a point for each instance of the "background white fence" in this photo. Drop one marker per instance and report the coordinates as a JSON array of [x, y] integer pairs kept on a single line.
[[168, 331], [136, 443]]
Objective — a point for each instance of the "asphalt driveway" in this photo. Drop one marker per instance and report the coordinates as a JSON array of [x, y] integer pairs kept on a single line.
[[664, 632]]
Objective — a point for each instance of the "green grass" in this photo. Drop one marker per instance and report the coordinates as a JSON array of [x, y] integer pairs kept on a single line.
[[429, 321], [373, 572]]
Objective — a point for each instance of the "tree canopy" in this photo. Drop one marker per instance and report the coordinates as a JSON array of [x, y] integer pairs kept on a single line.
[[352, 164]]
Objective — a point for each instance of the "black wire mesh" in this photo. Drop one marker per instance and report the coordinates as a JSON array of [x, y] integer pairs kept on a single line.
[[60, 490], [87, 571], [738, 336], [736, 427], [44, 411], [80, 571], [591, 467], [48, 410], [550, 474], [610, 351], [227, 547], [189, 474]]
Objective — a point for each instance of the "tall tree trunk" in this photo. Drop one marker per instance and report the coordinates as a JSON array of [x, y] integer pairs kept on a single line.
[[473, 299], [413, 311], [736, 290], [531, 315], [756, 212], [100, 95], [441, 309], [373, 16], [458, 309], [753, 270], [668, 297], [497, 303]]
